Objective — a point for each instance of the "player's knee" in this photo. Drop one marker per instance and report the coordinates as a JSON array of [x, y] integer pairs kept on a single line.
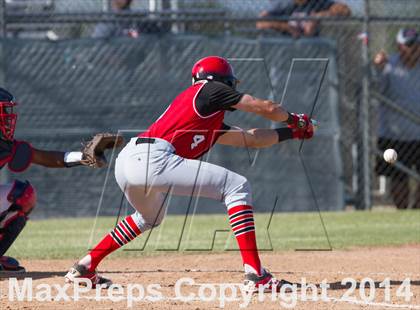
[[147, 222], [154, 222], [22, 196], [238, 191]]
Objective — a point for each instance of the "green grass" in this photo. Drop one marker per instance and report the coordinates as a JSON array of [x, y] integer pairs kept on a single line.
[[69, 238]]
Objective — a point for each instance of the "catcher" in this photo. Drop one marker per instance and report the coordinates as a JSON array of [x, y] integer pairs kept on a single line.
[[18, 199]]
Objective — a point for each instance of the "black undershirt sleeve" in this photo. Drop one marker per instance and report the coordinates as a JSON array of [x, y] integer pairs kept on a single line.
[[216, 96], [284, 133], [226, 127]]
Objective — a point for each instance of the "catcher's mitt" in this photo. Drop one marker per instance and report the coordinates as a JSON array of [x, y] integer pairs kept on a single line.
[[93, 150]]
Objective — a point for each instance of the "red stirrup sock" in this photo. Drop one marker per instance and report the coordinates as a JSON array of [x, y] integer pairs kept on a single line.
[[241, 218], [123, 233]]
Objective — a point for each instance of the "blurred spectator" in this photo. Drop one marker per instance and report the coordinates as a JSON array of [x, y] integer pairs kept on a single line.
[[127, 28], [108, 30], [301, 8], [398, 77], [28, 7]]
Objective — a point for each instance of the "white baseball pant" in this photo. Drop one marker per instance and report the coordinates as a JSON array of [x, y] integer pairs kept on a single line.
[[147, 172]]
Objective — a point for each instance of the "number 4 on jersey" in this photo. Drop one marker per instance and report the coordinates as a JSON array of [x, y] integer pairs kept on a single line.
[[197, 139]]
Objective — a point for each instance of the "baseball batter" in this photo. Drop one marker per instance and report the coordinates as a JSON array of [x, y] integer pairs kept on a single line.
[[18, 198], [164, 159]]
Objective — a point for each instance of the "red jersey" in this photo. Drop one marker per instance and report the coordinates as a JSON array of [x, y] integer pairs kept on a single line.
[[190, 133]]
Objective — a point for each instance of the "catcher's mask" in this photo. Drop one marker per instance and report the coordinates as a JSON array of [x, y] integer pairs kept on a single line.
[[7, 117], [214, 68]]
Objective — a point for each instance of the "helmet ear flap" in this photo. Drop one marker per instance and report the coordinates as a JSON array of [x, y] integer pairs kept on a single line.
[[232, 82]]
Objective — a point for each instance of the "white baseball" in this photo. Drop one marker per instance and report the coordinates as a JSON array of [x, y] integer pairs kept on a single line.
[[390, 156]]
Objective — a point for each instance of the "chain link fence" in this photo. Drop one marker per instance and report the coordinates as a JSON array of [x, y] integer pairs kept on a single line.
[[396, 110], [72, 89], [84, 51]]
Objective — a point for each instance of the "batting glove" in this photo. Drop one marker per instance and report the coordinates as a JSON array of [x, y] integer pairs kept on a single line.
[[298, 121], [303, 132]]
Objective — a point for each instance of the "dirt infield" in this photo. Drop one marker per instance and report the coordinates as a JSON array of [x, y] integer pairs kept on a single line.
[[395, 263]]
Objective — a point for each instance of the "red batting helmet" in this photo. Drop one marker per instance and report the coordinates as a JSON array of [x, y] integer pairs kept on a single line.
[[214, 68], [7, 117]]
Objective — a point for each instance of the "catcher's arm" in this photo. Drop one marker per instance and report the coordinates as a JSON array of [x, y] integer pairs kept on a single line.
[[92, 154], [50, 159], [19, 155]]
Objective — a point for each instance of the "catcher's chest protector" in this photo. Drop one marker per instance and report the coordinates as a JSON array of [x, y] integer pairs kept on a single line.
[[17, 154], [191, 134]]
